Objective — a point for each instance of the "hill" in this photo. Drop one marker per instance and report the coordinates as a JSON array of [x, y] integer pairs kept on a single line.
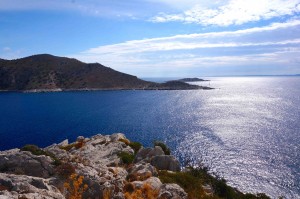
[[48, 72], [195, 79]]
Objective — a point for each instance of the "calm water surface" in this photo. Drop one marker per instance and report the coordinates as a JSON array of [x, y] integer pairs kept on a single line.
[[247, 130]]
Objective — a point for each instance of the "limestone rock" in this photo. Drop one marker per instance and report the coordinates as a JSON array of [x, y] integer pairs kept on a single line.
[[141, 171], [147, 153], [20, 186], [172, 191], [64, 143], [166, 162], [117, 136], [23, 162], [154, 182]]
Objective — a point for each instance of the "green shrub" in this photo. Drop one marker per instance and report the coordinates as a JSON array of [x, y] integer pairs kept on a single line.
[[193, 179], [163, 146], [135, 146], [35, 150], [126, 158]]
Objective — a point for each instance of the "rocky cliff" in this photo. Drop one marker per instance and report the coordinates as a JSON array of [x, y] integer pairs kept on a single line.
[[106, 167], [93, 167]]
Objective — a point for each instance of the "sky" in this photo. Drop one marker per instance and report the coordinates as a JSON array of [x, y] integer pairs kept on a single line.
[[158, 38]]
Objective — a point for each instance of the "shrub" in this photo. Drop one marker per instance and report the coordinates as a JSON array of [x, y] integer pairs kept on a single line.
[[145, 192], [75, 187], [126, 158], [135, 146], [163, 146], [193, 179], [35, 150]]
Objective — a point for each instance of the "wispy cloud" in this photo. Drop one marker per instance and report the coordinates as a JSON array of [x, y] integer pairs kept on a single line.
[[234, 12], [260, 45]]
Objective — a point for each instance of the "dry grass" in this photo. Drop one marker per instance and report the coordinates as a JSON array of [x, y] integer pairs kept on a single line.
[[145, 192]]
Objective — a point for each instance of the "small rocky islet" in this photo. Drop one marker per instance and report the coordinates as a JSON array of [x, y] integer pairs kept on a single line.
[[102, 167]]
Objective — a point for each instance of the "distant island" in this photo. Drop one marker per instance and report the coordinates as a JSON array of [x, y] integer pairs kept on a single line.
[[46, 72], [195, 79]]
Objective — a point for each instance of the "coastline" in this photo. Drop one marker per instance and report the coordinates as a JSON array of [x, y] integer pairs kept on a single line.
[[102, 89], [106, 166]]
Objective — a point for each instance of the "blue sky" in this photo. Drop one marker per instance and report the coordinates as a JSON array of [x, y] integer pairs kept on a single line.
[[155, 38]]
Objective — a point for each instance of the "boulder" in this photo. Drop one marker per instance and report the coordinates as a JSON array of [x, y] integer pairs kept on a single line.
[[25, 163], [154, 182], [165, 162], [172, 191], [20, 186], [64, 143], [141, 171], [146, 154], [117, 136]]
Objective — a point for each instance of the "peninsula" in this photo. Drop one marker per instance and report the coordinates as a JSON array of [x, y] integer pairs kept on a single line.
[[46, 72]]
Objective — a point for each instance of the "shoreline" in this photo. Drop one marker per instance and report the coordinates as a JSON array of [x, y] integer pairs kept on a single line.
[[102, 89], [107, 166]]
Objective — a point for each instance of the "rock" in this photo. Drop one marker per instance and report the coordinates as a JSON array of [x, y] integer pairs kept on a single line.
[[154, 182], [172, 191], [96, 159], [141, 172], [117, 136], [166, 162], [147, 153], [24, 162], [208, 189], [20, 186], [64, 143], [80, 139]]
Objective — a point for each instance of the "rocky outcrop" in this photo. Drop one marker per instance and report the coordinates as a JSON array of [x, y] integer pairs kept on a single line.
[[166, 162], [25, 163], [172, 191], [94, 164], [22, 186], [145, 154]]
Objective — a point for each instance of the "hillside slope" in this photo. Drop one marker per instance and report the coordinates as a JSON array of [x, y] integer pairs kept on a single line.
[[51, 72]]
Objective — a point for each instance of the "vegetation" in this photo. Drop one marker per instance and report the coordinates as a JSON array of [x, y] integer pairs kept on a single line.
[[126, 158], [75, 187], [193, 179], [145, 192], [35, 150], [163, 146], [51, 72], [135, 146], [77, 145]]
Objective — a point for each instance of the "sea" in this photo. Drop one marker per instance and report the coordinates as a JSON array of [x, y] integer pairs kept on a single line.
[[246, 130]]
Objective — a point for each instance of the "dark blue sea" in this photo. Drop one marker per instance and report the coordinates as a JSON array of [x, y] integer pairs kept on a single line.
[[247, 130]]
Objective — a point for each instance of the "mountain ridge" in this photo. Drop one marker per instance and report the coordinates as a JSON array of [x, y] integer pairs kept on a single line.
[[45, 72]]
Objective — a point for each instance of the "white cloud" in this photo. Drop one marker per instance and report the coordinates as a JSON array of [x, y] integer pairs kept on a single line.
[[270, 45], [235, 12], [201, 40]]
